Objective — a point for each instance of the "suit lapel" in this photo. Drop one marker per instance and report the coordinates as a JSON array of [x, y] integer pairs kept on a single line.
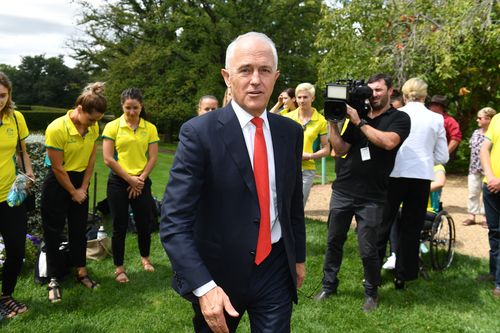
[[232, 136]]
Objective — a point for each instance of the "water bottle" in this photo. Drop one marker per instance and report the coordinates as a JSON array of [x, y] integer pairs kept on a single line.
[[101, 233]]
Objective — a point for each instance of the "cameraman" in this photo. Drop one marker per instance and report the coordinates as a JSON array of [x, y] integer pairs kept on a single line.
[[370, 146]]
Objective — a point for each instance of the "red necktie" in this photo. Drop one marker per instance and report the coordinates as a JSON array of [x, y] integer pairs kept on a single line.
[[261, 175]]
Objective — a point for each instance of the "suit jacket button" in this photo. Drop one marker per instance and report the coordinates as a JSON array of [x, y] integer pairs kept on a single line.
[[256, 221], [252, 252]]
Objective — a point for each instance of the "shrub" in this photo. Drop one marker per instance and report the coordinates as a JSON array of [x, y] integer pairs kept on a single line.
[[36, 149], [38, 121]]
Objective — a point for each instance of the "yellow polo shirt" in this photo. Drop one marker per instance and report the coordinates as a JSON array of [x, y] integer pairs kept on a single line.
[[131, 147], [62, 135], [313, 130], [493, 134], [8, 147]]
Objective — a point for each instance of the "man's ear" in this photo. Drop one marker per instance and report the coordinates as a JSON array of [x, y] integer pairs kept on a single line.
[[225, 75]]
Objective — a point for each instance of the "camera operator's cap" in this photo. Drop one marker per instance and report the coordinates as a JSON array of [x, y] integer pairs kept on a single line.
[[439, 99]]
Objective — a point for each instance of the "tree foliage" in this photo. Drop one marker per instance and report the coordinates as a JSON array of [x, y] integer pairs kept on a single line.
[[451, 44], [45, 81], [174, 50]]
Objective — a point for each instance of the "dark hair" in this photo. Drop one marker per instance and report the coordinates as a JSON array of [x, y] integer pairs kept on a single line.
[[381, 76], [212, 97], [396, 95], [291, 92], [91, 99], [134, 93], [9, 106]]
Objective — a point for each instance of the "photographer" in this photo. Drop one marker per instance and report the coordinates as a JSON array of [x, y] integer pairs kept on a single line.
[[370, 146]]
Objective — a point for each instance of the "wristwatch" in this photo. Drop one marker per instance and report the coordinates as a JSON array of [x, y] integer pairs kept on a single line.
[[361, 123]]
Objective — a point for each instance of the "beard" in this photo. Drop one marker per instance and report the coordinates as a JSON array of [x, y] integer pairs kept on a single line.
[[380, 104]]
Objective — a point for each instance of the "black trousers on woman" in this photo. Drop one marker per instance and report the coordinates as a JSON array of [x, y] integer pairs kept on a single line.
[[57, 209], [143, 214], [13, 225], [414, 195]]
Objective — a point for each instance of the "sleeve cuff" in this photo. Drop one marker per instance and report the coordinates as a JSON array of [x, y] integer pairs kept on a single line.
[[198, 292]]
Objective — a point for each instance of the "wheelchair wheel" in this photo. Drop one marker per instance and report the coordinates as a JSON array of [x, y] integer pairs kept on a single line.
[[442, 241]]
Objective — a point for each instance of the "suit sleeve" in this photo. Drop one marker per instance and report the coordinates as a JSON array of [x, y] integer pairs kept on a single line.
[[178, 215], [297, 205]]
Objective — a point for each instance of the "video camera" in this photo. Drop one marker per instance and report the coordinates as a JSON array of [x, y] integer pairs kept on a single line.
[[352, 92]]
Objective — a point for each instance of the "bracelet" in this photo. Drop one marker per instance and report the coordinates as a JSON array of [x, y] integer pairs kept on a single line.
[[361, 123]]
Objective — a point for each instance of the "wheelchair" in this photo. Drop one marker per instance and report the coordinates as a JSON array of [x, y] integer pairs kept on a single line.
[[438, 239]]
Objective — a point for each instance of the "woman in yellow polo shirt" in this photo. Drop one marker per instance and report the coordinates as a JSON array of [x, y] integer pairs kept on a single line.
[[13, 220], [315, 134], [71, 148], [130, 149]]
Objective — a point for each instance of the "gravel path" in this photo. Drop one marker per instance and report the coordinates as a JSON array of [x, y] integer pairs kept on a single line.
[[470, 240]]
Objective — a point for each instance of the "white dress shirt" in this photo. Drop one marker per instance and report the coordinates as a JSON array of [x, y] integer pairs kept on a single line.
[[425, 147], [248, 129]]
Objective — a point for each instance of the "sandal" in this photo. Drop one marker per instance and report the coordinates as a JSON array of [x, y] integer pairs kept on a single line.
[[12, 306], [87, 282], [56, 292], [121, 277], [147, 266], [5, 313]]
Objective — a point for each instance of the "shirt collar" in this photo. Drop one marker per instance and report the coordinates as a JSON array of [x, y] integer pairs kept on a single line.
[[69, 124], [123, 122], [7, 117], [244, 117]]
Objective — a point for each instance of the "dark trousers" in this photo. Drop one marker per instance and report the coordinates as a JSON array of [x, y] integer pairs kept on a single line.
[[57, 209], [268, 299], [368, 217], [13, 225], [414, 195], [143, 214], [492, 210]]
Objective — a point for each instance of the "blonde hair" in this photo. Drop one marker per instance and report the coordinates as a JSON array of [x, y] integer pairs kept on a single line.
[[306, 86], [414, 90], [487, 111], [92, 99]]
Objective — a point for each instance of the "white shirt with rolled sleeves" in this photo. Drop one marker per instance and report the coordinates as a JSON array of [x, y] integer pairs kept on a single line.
[[425, 147]]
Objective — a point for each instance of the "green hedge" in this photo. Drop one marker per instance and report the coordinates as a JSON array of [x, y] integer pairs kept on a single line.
[[38, 121]]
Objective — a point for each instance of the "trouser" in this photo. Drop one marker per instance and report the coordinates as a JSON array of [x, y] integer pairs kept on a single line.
[[368, 217], [143, 215], [13, 225], [307, 183], [268, 299], [58, 208], [414, 195], [492, 210], [475, 188]]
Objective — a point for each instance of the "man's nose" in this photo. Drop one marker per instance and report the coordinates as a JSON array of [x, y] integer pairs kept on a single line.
[[255, 77]]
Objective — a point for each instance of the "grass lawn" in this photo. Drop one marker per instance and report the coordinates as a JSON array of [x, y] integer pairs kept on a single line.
[[449, 301]]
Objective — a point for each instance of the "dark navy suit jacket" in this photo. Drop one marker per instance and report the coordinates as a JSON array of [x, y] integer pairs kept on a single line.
[[210, 211]]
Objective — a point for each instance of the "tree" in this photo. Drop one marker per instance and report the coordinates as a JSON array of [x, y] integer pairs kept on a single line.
[[45, 81], [453, 45], [174, 50]]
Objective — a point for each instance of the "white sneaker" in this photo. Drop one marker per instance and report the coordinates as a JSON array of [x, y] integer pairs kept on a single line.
[[391, 262]]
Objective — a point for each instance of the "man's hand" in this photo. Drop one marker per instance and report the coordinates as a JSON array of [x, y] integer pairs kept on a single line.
[[493, 185], [353, 115], [212, 306], [301, 273]]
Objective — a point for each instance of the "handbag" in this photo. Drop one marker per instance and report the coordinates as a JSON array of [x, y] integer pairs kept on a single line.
[[30, 201], [98, 249]]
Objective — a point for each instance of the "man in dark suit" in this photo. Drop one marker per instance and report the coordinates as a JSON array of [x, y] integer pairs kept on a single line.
[[232, 215]]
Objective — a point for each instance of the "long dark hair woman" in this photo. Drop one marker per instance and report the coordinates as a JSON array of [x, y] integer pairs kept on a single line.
[[130, 149], [71, 148], [13, 220]]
